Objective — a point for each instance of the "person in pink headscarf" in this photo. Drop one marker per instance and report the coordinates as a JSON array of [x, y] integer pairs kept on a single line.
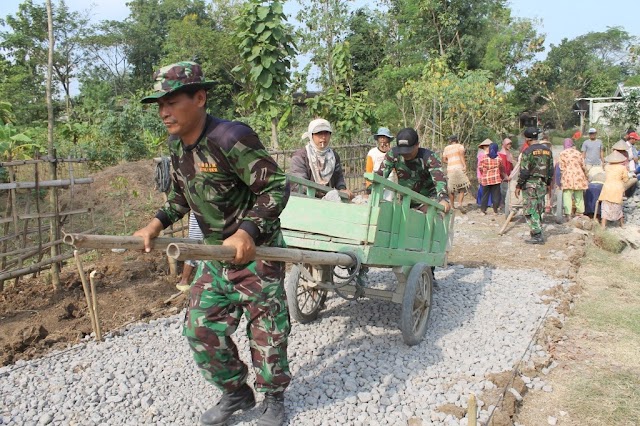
[[508, 162], [573, 178]]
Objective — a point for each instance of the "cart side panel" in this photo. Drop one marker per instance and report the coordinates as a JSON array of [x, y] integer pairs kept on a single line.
[[342, 220], [399, 227]]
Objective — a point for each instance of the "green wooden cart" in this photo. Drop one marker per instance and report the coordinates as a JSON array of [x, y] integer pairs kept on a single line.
[[386, 232]]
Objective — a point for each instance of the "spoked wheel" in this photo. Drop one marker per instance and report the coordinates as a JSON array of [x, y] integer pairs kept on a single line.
[[416, 304], [304, 301]]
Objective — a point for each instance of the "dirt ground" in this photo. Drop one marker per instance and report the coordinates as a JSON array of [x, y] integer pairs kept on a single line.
[[131, 286]]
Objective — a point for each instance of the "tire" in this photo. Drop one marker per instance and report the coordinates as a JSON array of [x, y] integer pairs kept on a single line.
[[305, 303], [416, 304]]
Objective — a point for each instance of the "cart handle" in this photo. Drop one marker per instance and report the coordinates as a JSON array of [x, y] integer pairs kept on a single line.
[[386, 183], [183, 251]]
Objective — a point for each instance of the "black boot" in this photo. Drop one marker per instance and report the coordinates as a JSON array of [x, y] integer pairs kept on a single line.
[[535, 239], [240, 399], [273, 411]]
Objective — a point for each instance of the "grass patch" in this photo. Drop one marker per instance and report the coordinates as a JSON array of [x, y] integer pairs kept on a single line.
[[606, 398], [607, 241], [604, 315]]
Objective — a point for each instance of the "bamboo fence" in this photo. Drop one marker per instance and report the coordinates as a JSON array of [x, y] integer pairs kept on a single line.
[[26, 244]]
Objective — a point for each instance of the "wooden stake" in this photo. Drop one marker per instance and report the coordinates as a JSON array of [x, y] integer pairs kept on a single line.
[[506, 222], [94, 301], [472, 410], [85, 287]]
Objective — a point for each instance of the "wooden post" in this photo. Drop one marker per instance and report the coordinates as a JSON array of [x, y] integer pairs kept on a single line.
[[94, 302], [53, 193], [472, 410], [87, 294], [173, 264]]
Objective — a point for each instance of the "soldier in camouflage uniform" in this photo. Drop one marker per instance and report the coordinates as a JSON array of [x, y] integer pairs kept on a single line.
[[223, 174], [536, 177], [418, 169]]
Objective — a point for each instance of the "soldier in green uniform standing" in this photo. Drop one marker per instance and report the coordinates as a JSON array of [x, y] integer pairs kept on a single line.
[[223, 174], [536, 176]]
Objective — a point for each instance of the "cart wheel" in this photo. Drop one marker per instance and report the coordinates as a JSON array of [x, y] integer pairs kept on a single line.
[[304, 302], [416, 304]]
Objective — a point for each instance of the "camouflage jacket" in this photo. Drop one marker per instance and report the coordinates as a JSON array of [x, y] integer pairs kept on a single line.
[[229, 181], [423, 174], [536, 165]]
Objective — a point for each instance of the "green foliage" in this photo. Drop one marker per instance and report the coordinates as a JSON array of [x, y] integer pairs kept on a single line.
[[348, 114], [625, 114], [442, 103], [15, 145], [367, 41], [267, 47]]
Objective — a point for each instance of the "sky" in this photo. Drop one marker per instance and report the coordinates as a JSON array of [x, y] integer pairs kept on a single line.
[[558, 18]]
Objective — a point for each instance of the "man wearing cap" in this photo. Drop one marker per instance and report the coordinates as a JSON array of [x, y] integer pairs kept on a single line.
[[418, 169], [593, 150], [457, 180], [375, 156], [317, 161], [536, 176], [223, 173]]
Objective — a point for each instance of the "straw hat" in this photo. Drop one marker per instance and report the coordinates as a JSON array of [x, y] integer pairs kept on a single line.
[[620, 146], [615, 157], [485, 142]]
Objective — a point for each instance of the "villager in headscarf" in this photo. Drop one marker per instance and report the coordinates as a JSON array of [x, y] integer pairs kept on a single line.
[[573, 178], [492, 171], [316, 161], [613, 188], [509, 163]]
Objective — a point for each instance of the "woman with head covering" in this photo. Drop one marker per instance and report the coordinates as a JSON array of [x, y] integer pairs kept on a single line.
[[509, 163], [483, 150], [457, 180], [316, 161], [573, 178], [616, 175], [492, 171], [375, 156]]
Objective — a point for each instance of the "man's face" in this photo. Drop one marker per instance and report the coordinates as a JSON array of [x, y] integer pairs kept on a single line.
[[410, 156], [384, 143], [321, 139], [181, 112], [633, 141], [593, 136]]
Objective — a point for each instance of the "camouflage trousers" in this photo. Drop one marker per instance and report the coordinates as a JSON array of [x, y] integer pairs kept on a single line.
[[220, 294], [533, 203]]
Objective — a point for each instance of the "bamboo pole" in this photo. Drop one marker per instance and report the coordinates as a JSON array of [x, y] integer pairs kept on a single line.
[[94, 301], [54, 183], [54, 231], [182, 251], [36, 266], [87, 291], [45, 159], [175, 230], [125, 242]]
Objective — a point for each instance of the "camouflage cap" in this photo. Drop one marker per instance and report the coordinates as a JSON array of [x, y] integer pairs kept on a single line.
[[175, 77]]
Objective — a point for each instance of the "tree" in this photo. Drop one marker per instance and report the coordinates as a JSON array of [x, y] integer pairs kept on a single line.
[[367, 43], [324, 25], [625, 114], [267, 47], [27, 42]]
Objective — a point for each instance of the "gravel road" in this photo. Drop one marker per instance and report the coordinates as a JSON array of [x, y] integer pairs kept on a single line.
[[350, 366]]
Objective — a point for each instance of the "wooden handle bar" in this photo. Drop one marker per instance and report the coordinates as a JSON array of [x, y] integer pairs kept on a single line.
[[184, 251], [122, 242]]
